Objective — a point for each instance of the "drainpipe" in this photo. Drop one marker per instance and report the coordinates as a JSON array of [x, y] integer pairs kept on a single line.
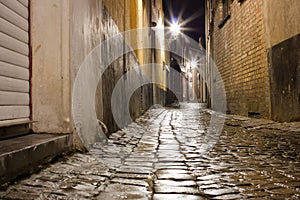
[[153, 59]]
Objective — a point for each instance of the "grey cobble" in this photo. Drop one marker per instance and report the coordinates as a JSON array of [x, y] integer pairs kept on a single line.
[[160, 157]]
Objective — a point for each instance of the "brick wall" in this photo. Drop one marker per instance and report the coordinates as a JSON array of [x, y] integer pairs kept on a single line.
[[239, 51]]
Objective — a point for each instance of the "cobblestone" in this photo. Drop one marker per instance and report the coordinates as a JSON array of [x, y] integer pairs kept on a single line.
[[159, 157]]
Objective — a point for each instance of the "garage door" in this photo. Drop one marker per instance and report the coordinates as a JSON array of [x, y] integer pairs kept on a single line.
[[14, 65]]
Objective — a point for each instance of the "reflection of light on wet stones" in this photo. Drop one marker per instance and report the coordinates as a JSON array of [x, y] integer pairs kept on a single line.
[[117, 191], [172, 174], [177, 196], [219, 191], [256, 163]]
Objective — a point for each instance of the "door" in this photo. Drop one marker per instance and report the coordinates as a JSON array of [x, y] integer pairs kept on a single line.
[[14, 68]]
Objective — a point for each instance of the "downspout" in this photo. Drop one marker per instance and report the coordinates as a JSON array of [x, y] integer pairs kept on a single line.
[[30, 63], [152, 49]]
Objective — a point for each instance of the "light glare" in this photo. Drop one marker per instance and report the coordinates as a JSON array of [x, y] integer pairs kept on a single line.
[[175, 28]]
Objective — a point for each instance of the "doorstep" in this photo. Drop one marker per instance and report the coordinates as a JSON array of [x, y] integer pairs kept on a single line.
[[22, 155]]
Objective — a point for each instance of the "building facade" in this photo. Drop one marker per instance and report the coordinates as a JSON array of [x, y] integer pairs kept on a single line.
[[43, 45], [255, 46], [87, 24]]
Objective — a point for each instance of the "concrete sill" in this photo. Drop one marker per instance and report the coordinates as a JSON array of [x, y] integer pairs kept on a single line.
[[8, 123]]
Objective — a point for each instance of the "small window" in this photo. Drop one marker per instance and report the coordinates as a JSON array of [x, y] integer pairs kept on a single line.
[[225, 12], [225, 6]]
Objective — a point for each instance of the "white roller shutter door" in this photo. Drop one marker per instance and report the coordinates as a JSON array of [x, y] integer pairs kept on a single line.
[[14, 62]]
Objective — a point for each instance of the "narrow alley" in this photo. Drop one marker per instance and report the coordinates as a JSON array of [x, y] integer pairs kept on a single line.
[[149, 99], [159, 157]]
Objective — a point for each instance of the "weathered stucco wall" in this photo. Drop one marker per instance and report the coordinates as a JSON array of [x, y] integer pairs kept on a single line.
[[50, 80], [159, 71], [119, 10], [86, 30], [116, 19], [91, 27], [85, 36], [63, 34], [281, 18], [284, 62]]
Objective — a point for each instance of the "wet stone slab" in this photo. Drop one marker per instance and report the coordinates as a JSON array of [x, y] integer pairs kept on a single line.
[[162, 166], [132, 176], [170, 176], [220, 191], [138, 163], [135, 169], [177, 196], [188, 183], [229, 197], [177, 190], [121, 191], [136, 182]]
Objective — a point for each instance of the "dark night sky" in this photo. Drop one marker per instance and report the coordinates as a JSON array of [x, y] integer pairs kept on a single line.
[[187, 9]]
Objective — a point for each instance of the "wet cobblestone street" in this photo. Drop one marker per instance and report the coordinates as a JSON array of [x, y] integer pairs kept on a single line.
[[159, 157]]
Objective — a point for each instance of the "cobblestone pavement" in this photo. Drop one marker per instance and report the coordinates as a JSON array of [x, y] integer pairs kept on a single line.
[[159, 157]]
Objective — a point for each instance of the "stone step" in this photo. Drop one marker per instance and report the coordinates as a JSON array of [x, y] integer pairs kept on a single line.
[[22, 155]]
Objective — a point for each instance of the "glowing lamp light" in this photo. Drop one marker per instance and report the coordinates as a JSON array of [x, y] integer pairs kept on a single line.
[[175, 28], [193, 63]]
